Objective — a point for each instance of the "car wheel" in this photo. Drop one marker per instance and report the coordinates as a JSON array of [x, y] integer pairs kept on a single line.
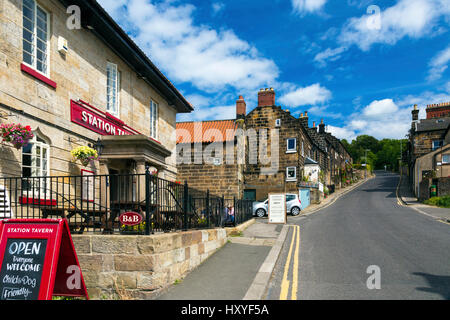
[[295, 211], [260, 213]]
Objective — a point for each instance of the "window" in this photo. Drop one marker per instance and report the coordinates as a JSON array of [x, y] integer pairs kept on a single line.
[[278, 123], [112, 89], [35, 36], [153, 119], [437, 144], [291, 145], [303, 150], [290, 197], [446, 159], [35, 163], [291, 174]]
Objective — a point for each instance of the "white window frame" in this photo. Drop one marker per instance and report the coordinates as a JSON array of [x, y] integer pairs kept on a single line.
[[447, 161], [277, 122], [154, 114], [287, 174], [113, 108], [33, 65], [287, 145], [36, 169]]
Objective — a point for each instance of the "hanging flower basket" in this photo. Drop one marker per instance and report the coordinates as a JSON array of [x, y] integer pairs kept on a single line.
[[16, 134], [85, 154]]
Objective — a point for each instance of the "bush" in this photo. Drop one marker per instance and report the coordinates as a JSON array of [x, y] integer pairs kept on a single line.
[[443, 202]]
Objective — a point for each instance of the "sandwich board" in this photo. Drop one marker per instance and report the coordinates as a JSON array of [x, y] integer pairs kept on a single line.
[[38, 260]]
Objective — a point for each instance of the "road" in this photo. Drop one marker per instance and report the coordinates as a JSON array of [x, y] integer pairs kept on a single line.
[[364, 246]]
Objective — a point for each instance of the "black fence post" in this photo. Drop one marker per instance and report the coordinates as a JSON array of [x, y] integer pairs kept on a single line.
[[147, 200], [185, 205], [235, 211], [208, 220]]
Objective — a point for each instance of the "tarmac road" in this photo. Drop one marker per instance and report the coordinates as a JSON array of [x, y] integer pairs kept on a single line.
[[364, 246]]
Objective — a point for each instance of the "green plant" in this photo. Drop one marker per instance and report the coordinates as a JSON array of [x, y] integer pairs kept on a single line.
[[443, 202], [84, 154]]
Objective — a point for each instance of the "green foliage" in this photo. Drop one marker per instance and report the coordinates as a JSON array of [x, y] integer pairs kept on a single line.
[[380, 153], [443, 202]]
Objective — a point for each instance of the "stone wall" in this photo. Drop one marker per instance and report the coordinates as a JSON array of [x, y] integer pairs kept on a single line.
[[141, 267], [221, 179], [443, 186]]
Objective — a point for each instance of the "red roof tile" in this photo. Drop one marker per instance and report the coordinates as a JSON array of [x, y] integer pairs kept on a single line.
[[206, 131]]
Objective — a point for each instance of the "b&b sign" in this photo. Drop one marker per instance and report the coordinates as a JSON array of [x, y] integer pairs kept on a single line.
[[38, 260]]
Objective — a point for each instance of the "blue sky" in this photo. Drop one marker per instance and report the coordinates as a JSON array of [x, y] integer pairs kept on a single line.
[[359, 65]]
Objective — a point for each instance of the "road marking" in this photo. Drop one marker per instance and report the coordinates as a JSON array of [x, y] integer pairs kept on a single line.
[[285, 283], [295, 270]]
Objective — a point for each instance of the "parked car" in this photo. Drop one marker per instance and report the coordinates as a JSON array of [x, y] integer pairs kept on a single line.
[[293, 206]]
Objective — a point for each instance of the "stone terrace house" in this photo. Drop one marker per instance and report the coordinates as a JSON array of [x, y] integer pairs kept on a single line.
[[207, 156], [261, 165], [79, 87], [429, 148]]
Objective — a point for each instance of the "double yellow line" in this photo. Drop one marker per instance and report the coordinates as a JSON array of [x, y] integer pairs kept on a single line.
[[285, 283]]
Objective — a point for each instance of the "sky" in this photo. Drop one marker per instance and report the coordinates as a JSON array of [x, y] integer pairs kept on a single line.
[[358, 65]]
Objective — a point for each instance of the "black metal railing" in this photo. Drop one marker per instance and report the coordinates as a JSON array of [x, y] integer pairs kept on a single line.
[[94, 203]]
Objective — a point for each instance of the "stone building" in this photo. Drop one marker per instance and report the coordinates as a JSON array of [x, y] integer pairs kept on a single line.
[[83, 86], [287, 153], [208, 156], [428, 152], [267, 150]]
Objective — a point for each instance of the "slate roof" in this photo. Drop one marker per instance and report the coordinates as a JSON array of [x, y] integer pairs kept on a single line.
[[433, 124]]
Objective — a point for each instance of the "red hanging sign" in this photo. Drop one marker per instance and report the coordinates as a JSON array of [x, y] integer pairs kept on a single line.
[[100, 122], [38, 260]]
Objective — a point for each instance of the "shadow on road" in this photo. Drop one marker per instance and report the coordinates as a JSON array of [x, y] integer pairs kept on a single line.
[[438, 284]]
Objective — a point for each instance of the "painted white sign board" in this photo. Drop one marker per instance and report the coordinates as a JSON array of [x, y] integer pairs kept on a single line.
[[277, 208]]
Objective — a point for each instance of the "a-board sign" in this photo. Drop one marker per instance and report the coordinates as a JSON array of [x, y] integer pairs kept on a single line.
[[277, 208], [38, 260]]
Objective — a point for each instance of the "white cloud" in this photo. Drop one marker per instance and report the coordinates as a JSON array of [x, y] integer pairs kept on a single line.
[[342, 133], [439, 64], [209, 59], [329, 55], [217, 7], [407, 18], [307, 6], [380, 108], [380, 119], [311, 95]]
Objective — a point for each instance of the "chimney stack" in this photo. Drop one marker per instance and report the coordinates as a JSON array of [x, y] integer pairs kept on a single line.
[[415, 113], [266, 97], [241, 108], [304, 119], [321, 127]]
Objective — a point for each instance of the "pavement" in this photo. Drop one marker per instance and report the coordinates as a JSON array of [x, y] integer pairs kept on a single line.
[[407, 198], [243, 268]]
